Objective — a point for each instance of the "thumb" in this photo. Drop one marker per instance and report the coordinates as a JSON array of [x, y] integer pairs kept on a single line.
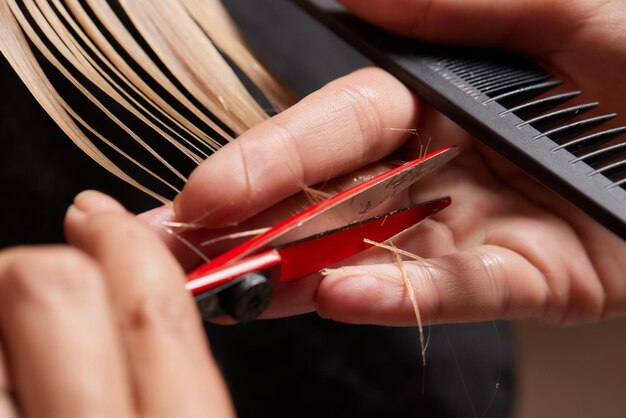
[[483, 283], [531, 26]]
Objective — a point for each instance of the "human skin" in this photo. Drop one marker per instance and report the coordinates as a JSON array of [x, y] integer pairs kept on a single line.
[[103, 328], [95, 329], [507, 247]]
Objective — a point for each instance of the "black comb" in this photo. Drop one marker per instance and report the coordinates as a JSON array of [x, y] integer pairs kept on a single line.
[[495, 95]]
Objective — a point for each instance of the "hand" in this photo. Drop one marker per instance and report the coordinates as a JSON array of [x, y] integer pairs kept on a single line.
[[584, 39], [104, 329], [507, 248]]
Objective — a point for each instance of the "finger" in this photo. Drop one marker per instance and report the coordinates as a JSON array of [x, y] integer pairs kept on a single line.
[[64, 353], [338, 129], [168, 355], [7, 405], [484, 283], [535, 26]]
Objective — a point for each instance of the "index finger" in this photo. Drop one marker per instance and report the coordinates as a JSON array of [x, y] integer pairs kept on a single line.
[[336, 130], [159, 325]]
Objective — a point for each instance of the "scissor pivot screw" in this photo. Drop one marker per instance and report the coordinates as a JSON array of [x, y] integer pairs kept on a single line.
[[247, 299]]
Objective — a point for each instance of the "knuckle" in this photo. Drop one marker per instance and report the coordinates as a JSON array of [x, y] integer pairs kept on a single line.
[[41, 273], [360, 103], [494, 272], [613, 303], [121, 223], [287, 141], [586, 301], [597, 304], [164, 313], [247, 188], [113, 231], [436, 235], [430, 280]]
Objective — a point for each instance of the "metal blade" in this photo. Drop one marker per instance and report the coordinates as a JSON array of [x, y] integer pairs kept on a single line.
[[307, 256]]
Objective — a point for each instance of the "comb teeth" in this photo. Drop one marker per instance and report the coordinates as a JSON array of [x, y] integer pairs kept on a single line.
[[552, 119], [563, 133], [533, 109], [477, 77], [592, 140], [507, 85], [608, 161], [616, 169], [559, 125], [621, 183], [516, 88], [603, 154], [519, 96]]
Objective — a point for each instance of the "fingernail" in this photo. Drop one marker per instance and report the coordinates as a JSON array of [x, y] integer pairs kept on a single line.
[[91, 201]]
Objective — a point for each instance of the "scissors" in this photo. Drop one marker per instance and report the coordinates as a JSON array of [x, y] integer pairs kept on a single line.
[[237, 282]]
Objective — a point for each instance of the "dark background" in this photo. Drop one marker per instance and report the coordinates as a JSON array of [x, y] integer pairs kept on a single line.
[[299, 367]]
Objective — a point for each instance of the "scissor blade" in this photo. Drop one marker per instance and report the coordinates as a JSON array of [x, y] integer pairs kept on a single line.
[[359, 200], [356, 203], [309, 255]]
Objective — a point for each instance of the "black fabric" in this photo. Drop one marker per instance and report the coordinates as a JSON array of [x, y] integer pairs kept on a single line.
[[307, 367], [298, 367]]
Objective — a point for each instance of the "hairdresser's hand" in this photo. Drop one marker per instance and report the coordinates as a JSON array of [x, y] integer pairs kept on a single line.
[[584, 39], [507, 248], [104, 329]]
